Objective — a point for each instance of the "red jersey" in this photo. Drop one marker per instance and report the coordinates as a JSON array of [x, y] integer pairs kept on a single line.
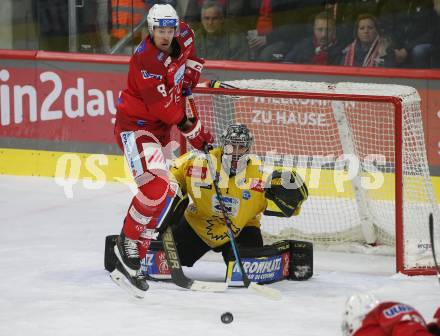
[[149, 103], [393, 319]]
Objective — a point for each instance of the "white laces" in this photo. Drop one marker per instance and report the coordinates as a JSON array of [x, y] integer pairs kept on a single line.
[[130, 247]]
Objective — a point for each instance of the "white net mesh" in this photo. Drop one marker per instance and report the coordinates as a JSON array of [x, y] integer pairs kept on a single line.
[[345, 150]]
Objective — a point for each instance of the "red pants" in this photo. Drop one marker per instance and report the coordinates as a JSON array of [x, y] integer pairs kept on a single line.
[[145, 157]]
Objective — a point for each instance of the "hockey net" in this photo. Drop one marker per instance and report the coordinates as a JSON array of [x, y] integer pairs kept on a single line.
[[359, 147]]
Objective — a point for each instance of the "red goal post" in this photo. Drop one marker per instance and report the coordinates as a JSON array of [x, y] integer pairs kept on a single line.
[[359, 147]]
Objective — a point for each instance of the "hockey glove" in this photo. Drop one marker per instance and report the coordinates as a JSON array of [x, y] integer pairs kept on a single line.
[[193, 70], [287, 190], [197, 136]]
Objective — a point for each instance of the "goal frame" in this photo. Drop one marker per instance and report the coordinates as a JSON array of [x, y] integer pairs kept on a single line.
[[398, 148]]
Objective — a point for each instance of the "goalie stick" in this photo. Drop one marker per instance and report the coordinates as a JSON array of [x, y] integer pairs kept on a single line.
[[177, 275], [268, 292], [431, 236], [173, 212]]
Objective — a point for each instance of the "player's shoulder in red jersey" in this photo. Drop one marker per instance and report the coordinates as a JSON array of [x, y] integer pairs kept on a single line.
[[392, 311], [186, 35], [393, 318]]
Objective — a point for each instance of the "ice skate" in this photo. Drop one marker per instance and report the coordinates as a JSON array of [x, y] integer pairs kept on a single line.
[[135, 285], [127, 252], [127, 272]]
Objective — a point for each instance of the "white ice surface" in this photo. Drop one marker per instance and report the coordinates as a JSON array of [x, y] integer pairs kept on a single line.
[[53, 281]]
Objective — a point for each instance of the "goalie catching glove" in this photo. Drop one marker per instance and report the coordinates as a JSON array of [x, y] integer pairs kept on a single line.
[[288, 191]]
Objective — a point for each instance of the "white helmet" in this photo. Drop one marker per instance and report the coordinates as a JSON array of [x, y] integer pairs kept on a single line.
[[356, 307], [162, 16]]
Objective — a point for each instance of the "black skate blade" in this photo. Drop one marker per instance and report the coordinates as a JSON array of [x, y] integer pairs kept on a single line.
[[121, 280]]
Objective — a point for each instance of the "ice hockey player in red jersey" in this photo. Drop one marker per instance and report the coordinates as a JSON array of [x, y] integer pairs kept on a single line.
[[163, 67], [365, 316]]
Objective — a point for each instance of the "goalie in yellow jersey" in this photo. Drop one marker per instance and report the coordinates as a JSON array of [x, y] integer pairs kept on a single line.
[[245, 190]]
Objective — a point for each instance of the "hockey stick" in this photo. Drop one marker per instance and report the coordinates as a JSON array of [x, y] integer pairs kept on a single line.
[[177, 275], [268, 292], [216, 84], [431, 236], [173, 212]]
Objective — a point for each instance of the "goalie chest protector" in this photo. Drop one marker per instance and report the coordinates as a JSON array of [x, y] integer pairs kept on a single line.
[[286, 259]]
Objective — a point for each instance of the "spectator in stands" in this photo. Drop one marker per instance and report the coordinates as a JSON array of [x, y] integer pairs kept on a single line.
[[290, 23], [345, 13], [239, 15], [320, 48], [214, 40], [410, 24], [369, 49]]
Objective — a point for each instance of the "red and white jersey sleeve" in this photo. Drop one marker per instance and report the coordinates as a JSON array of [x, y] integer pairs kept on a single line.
[[393, 319], [149, 102]]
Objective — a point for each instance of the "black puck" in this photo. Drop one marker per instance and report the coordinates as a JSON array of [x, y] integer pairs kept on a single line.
[[227, 317]]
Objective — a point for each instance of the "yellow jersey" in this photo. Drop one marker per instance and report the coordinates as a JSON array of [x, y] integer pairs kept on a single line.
[[243, 195]]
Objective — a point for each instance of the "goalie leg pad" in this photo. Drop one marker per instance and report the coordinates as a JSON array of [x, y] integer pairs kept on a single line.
[[287, 259], [301, 260], [155, 265], [109, 253], [262, 265]]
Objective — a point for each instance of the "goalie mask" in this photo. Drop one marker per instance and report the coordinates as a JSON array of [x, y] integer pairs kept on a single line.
[[162, 16], [356, 308], [236, 142]]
